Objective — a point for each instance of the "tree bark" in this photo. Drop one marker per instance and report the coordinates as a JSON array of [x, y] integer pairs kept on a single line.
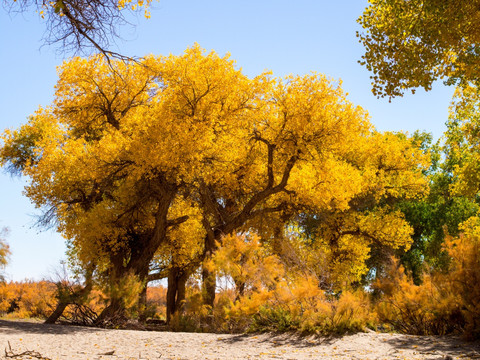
[[171, 292], [181, 291], [176, 290], [142, 304], [209, 279], [114, 314], [209, 276], [61, 306]]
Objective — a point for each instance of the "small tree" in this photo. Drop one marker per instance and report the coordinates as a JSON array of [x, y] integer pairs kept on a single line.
[[4, 251]]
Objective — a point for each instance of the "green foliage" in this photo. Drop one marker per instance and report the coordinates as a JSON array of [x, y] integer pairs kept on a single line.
[[437, 214]]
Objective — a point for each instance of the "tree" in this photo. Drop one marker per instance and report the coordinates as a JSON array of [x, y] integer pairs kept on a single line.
[[343, 245], [81, 24], [411, 44], [440, 213], [4, 251], [148, 165], [462, 139], [112, 202]]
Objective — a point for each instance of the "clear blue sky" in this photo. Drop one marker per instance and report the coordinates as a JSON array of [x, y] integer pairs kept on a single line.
[[285, 36]]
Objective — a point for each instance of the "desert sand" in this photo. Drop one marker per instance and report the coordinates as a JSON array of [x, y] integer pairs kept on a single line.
[[39, 341]]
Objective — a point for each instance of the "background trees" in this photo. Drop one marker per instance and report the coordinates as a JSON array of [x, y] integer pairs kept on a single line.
[[4, 250]]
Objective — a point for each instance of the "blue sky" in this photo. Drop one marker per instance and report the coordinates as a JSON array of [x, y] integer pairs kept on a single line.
[[283, 36]]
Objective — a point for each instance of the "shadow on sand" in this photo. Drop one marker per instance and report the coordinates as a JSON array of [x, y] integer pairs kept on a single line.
[[450, 347], [10, 327], [296, 340]]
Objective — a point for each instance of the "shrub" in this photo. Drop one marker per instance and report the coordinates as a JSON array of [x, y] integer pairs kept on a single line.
[[445, 302], [427, 309], [27, 299]]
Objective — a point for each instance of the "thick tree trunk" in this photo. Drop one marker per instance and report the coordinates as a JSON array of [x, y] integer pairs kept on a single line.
[[181, 290], [114, 314], [209, 280], [177, 280], [171, 292], [209, 276]]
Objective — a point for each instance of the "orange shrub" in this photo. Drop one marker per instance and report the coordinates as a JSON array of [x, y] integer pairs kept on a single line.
[[445, 302], [463, 278], [27, 299], [420, 310], [302, 306]]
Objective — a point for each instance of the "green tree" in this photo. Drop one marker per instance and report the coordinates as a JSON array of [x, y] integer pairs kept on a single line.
[[437, 215]]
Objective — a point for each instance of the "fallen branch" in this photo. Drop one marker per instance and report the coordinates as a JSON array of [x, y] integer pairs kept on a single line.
[[108, 353], [33, 354]]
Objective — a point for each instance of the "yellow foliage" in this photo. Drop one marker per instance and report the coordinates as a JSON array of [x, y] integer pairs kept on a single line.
[[300, 305], [140, 161], [4, 253], [27, 299], [156, 302], [410, 44], [126, 289], [464, 273], [444, 302], [267, 298], [246, 261]]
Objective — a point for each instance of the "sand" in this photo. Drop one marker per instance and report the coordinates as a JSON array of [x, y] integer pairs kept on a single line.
[[73, 342]]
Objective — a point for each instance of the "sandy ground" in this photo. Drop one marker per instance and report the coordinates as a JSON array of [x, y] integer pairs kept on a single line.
[[39, 341]]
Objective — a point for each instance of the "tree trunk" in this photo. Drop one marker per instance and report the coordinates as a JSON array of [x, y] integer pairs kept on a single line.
[[114, 314], [142, 304], [177, 280], [66, 296], [61, 306], [209, 276], [181, 290], [240, 287], [209, 279], [171, 292]]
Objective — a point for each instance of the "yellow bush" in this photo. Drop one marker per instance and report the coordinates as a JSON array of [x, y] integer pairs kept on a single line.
[[302, 306], [463, 277], [445, 302], [430, 308], [268, 298], [27, 299]]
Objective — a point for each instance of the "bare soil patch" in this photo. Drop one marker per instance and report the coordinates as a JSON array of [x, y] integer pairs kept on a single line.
[[74, 342]]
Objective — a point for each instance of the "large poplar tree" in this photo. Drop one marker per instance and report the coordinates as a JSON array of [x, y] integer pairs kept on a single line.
[[154, 162]]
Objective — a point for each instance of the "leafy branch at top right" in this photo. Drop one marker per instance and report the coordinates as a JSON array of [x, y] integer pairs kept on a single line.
[[411, 44]]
